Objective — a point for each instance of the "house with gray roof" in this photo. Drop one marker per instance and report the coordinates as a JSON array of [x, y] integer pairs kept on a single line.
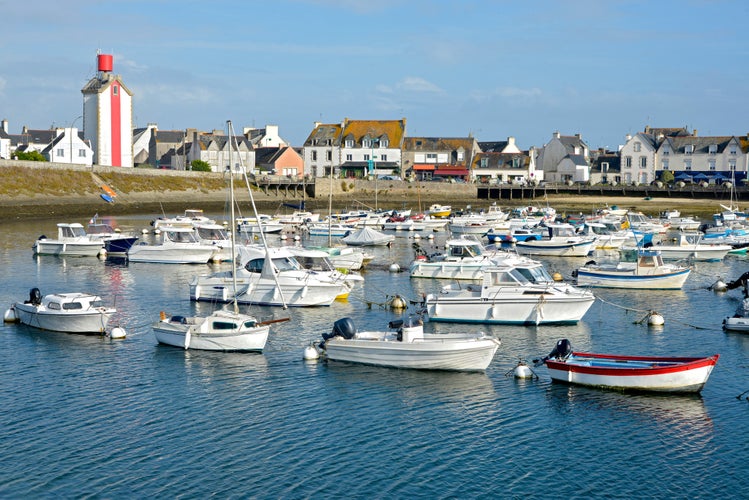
[[564, 158]]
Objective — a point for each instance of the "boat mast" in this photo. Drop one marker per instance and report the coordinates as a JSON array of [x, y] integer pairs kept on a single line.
[[233, 225]]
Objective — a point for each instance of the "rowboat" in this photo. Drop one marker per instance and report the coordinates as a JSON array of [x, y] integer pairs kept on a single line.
[[628, 373]]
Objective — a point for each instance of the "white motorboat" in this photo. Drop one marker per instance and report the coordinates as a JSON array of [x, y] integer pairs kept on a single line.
[[514, 292], [739, 322], [348, 258], [690, 245], [368, 237], [319, 262], [562, 241], [408, 347], [606, 238], [265, 222], [179, 245], [189, 220], [469, 224], [217, 236], [220, 331], [271, 276], [403, 224], [330, 229], [62, 312], [463, 259], [71, 240], [647, 272], [115, 242]]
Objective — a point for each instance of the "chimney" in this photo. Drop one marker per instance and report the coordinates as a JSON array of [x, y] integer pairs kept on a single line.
[[628, 137], [694, 133], [4, 126], [557, 135], [511, 141], [579, 136]]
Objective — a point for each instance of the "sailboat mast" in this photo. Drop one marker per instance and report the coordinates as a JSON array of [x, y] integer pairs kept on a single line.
[[233, 225]]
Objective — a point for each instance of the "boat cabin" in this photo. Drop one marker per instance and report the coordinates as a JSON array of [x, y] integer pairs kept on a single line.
[[212, 232], [72, 230], [561, 231], [180, 235], [516, 275]]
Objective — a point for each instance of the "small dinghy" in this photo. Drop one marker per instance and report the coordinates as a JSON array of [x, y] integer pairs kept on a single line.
[[633, 373]]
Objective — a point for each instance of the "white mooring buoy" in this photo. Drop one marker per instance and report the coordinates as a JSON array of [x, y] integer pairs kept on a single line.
[[394, 268], [522, 370], [719, 286], [117, 333], [311, 353], [655, 319]]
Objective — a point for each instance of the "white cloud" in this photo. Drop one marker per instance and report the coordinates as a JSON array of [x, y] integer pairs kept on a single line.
[[417, 84]]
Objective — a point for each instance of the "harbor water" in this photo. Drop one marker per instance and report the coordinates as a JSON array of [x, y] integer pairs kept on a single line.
[[89, 416]]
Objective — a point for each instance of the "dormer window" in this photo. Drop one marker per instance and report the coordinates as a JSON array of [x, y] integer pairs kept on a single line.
[[384, 143], [484, 162], [689, 149], [666, 151], [366, 142], [712, 149], [349, 143]]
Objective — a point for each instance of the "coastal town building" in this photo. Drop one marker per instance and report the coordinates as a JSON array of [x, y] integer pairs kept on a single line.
[[5, 141], [688, 156], [605, 167], [69, 147], [427, 158], [355, 148], [108, 116], [279, 160], [503, 162], [565, 159]]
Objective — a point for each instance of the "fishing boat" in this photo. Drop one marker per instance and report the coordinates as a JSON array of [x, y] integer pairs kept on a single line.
[[190, 219], [739, 322], [116, 244], [62, 312], [561, 241], [334, 229], [633, 373], [223, 330], [690, 245], [406, 345], [440, 211], [464, 258], [647, 272], [518, 291], [178, 245], [268, 276], [71, 241]]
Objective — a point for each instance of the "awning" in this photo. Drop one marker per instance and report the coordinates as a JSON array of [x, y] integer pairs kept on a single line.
[[423, 166], [451, 171]]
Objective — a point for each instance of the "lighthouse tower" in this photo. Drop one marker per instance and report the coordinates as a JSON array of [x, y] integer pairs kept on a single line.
[[108, 116]]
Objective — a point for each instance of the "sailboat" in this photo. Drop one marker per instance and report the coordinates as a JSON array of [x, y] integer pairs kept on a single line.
[[224, 330]]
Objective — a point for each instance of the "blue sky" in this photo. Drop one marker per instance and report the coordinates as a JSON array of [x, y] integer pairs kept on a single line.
[[451, 68]]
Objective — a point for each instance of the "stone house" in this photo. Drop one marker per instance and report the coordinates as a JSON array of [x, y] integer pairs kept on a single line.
[[564, 158], [427, 157]]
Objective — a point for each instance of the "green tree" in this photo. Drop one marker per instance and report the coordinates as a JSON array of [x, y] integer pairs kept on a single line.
[[200, 166], [29, 156], [667, 177]]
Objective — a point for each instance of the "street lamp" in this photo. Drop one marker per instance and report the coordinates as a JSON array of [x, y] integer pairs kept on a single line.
[[71, 137]]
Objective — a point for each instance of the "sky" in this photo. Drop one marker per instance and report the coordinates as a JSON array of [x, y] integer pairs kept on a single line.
[[491, 69]]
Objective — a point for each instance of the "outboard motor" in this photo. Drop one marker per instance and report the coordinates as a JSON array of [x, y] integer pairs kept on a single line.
[[561, 351], [35, 297], [344, 327]]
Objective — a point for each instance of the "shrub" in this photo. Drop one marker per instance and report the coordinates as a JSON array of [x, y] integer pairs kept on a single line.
[[200, 166]]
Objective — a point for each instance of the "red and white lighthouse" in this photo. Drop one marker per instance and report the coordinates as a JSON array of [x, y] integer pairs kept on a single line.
[[108, 116]]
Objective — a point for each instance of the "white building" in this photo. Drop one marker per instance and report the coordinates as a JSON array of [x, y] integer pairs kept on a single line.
[[564, 158], [69, 147]]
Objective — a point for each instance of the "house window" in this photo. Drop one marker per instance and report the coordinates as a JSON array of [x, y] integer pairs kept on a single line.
[[366, 157], [349, 143], [314, 155], [733, 149], [418, 143], [484, 162], [516, 162], [61, 152], [628, 161], [666, 151], [383, 157], [349, 157], [638, 147], [664, 163], [711, 164], [384, 143], [431, 157], [81, 153], [687, 164], [643, 161], [367, 143], [689, 149], [329, 155], [731, 164], [461, 156]]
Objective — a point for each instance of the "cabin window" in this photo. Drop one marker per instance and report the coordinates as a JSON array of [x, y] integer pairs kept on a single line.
[[72, 306], [53, 305], [224, 325]]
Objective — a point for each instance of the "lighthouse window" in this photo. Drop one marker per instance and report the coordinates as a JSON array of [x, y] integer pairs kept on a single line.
[[115, 90]]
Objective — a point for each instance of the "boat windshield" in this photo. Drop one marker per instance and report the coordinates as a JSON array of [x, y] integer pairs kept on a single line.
[[215, 234], [537, 274], [181, 236]]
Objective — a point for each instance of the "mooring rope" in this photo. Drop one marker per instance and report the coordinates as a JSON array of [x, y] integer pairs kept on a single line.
[[648, 312]]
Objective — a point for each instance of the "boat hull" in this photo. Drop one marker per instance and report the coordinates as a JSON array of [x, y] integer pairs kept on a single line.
[[431, 354], [636, 373], [703, 253], [51, 247], [175, 335], [87, 322], [550, 249], [171, 255], [740, 324], [256, 292], [516, 310], [604, 279]]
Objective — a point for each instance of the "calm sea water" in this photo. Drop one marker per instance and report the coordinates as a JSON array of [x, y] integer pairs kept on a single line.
[[92, 417]]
